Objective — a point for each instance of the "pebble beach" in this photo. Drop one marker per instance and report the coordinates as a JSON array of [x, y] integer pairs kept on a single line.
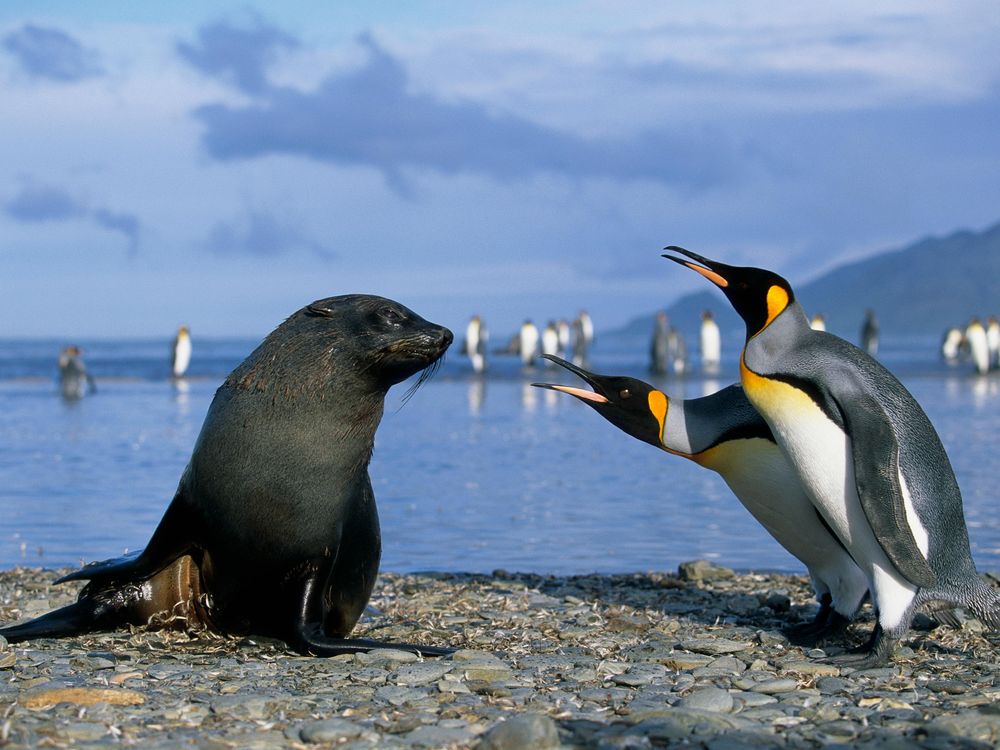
[[691, 658]]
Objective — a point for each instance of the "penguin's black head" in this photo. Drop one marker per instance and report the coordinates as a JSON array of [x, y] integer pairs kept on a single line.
[[759, 296], [631, 405]]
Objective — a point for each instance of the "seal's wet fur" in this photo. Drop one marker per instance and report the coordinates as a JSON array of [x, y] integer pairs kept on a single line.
[[273, 530]]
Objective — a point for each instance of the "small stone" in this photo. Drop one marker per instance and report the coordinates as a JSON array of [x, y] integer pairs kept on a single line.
[[440, 736], [773, 687], [681, 661], [778, 601], [423, 673], [522, 732], [951, 687], [399, 695], [640, 674], [7, 660], [968, 724], [833, 685], [715, 646], [712, 699], [703, 570], [486, 673], [84, 732], [330, 730], [82, 697]]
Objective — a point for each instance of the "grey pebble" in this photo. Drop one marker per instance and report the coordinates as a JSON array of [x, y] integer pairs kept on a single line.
[[421, 674], [529, 731], [329, 730], [779, 685], [439, 736], [951, 687], [714, 646], [712, 699]]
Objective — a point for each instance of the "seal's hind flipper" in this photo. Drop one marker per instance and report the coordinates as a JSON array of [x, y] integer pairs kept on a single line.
[[84, 616], [173, 537], [117, 567]]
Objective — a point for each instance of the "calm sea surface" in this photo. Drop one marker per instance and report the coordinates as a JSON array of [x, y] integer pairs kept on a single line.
[[471, 474]]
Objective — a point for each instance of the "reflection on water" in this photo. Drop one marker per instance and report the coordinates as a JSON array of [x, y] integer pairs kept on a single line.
[[527, 479], [477, 394]]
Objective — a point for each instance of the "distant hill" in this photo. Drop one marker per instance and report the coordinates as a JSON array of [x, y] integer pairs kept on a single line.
[[923, 288]]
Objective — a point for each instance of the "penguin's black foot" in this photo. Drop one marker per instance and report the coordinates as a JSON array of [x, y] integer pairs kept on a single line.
[[876, 653], [832, 625]]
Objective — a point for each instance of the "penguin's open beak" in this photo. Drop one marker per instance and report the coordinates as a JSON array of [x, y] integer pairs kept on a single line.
[[708, 268], [596, 396]]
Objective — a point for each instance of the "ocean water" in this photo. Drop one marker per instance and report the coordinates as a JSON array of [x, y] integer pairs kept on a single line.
[[473, 473]]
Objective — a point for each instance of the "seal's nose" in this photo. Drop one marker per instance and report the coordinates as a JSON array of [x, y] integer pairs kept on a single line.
[[446, 337]]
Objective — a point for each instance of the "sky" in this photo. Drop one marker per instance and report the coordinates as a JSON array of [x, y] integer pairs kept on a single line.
[[221, 165]]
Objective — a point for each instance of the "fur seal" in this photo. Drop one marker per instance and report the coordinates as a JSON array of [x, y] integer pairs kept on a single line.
[[273, 530]]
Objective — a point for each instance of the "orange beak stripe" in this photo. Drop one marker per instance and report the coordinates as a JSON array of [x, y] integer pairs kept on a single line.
[[709, 274], [581, 393]]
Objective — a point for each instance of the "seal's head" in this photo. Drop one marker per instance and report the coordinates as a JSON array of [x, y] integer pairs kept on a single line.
[[370, 342]]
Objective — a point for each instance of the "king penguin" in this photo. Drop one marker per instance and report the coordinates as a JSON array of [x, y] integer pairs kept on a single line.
[[867, 455], [724, 433], [182, 352]]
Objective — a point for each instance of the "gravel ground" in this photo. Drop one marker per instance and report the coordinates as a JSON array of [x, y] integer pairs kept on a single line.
[[694, 659]]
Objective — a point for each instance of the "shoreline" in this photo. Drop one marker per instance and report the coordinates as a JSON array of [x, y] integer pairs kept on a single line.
[[590, 661]]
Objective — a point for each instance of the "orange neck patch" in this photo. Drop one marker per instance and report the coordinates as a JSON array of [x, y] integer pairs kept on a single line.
[[658, 405], [777, 301]]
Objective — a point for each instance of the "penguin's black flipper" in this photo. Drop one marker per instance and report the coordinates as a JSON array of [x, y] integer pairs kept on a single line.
[[876, 474]]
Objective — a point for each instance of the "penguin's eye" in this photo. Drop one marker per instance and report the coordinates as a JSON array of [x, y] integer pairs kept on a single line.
[[624, 393]]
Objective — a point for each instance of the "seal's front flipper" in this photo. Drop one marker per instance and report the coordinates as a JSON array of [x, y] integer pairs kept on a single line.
[[312, 641], [84, 616], [308, 635]]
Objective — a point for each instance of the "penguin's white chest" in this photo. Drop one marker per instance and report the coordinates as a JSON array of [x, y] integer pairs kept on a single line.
[[182, 355], [822, 455]]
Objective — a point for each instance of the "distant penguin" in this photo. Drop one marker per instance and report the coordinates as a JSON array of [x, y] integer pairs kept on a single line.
[[527, 343], [678, 350], [583, 337], [586, 327], [951, 345], [565, 336], [818, 322], [181, 352], [724, 433], [868, 456], [979, 347], [711, 343], [74, 380], [550, 339], [993, 341], [869, 333], [476, 338], [659, 347]]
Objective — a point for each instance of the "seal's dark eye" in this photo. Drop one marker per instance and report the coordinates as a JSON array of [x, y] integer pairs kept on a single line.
[[624, 393], [391, 315]]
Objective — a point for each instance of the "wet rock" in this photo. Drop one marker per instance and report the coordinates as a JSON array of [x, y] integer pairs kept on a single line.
[[714, 646], [329, 730], [711, 699], [703, 570], [528, 731], [439, 736], [421, 674]]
